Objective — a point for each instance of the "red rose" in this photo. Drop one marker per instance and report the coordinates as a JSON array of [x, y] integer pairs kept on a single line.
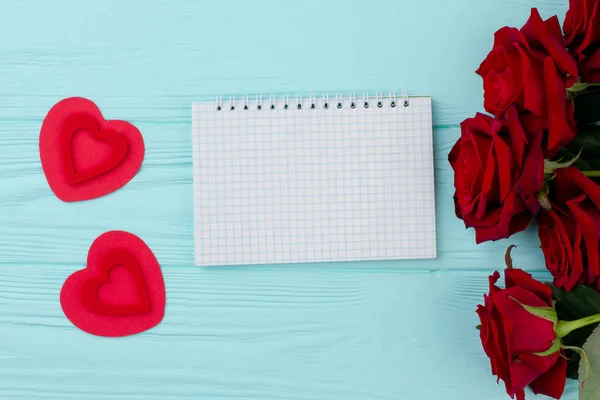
[[532, 69], [582, 37], [498, 170], [511, 335], [589, 69], [582, 25], [570, 233], [560, 242]]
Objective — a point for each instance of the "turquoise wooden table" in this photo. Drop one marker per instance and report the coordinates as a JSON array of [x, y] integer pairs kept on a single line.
[[363, 330]]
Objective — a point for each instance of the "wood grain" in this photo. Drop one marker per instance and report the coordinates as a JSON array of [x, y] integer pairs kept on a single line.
[[364, 330], [157, 205], [259, 334]]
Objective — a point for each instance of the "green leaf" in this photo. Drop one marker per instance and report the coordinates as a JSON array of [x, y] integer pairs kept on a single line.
[[580, 302], [576, 339], [590, 387], [587, 107], [587, 142]]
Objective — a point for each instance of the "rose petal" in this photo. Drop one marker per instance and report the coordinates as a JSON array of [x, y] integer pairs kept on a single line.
[[552, 383], [590, 236], [492, 279], [488, 341], [533, 124], [454, 153], [574, 19], [572, 181], [511, 218], [533, 98], [561, 247], [518, 138], [520, 395], [553, 26], [499, 350], [537, 34], [457, 209], [529, 367], [520, 278], [590, 67], [582, 25], [532, 176], [506, 168], [565, 185], [577, 273], [560, 132]]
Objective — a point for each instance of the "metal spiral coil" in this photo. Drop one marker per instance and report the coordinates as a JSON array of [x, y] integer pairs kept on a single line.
[[312, 102]]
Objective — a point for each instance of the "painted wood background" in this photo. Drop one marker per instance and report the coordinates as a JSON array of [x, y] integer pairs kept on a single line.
[[365, 330]]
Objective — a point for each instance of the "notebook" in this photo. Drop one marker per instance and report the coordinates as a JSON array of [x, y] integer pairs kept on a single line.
[[313, 179]]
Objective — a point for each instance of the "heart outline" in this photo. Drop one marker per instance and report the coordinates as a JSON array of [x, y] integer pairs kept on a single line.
[[89, 289], [85, 122]]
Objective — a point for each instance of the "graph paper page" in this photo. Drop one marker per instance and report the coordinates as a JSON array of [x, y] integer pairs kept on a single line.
[[313, 185]]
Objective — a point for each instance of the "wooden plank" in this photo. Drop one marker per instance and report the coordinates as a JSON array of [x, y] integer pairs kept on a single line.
[[148, 60], [260, 334]]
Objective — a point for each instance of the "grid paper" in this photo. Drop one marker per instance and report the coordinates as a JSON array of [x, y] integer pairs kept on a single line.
[[313, 185]]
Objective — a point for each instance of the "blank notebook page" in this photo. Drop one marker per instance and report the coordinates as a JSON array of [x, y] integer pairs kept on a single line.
[[313, 185]]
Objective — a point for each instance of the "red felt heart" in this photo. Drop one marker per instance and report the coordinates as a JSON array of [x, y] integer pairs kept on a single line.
[[77, 169], [121, 291]]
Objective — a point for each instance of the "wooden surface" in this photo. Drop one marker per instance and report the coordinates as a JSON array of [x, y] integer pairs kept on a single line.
[[365, 330]]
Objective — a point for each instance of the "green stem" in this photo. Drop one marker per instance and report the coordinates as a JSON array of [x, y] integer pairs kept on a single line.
[[591, 174], [563, 328]]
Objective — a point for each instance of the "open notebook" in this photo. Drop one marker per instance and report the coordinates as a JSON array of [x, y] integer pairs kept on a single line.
[[313, 180]]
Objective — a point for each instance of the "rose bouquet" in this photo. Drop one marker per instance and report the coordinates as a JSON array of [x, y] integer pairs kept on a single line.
[[535, 157]]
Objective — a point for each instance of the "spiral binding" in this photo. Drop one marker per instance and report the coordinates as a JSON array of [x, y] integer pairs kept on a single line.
[[312, 102]]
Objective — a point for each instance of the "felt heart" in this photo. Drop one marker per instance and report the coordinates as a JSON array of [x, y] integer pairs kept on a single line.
[[121, 291], [78, 169]]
